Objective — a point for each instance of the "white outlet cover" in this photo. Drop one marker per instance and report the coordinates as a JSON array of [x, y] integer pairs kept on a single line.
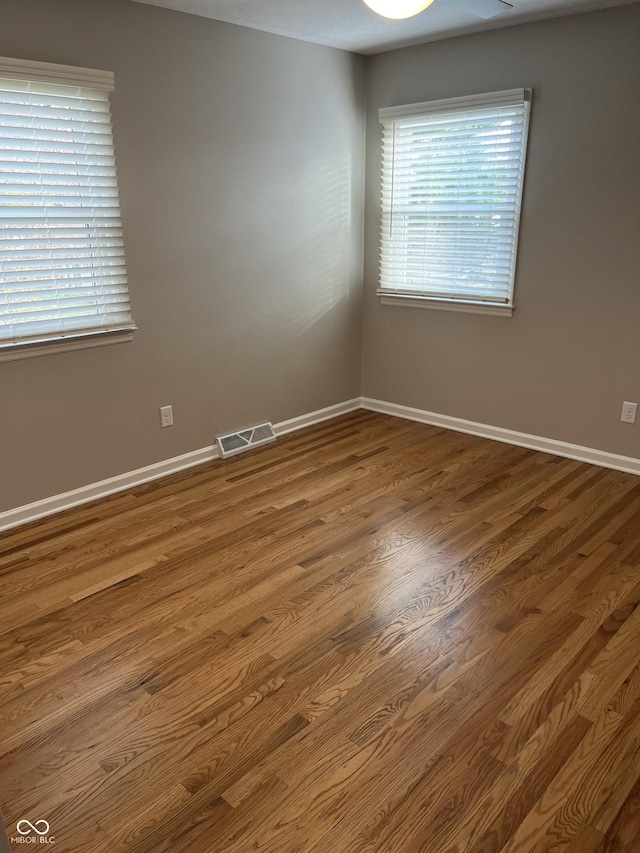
[[629, 412], [166, 416]]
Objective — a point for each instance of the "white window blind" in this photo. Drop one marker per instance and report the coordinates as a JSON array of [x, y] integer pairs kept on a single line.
[[451, 193], [62, 263]]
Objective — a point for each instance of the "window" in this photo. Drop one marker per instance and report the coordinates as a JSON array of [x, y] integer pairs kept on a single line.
[[63, 280], [451, 191]]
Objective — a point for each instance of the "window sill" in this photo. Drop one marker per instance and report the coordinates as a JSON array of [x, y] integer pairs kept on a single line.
[[463, 305], [13, 352]]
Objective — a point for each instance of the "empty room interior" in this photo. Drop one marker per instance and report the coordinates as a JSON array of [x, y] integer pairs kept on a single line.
[[319, 460]]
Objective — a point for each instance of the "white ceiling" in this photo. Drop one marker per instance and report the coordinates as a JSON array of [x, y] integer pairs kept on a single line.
[[350, 25]]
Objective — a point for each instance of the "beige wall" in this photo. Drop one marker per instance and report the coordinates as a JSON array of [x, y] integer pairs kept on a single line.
[[562, 366], [239, 158]]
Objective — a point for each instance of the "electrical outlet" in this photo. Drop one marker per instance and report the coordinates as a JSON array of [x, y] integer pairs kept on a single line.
[[629, 411], [166, 416]]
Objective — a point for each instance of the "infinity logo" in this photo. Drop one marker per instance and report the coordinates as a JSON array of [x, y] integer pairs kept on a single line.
[[32, 827]]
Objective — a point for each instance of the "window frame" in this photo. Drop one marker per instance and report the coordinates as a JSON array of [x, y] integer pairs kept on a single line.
[[79, 338], [443, 302]]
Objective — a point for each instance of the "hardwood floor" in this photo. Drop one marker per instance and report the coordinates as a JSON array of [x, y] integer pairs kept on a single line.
[[373, 636]]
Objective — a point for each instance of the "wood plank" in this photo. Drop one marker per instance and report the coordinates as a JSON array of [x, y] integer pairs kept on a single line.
[[372, 636]]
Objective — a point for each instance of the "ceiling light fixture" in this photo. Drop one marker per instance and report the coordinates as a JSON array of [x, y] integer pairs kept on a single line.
[[398, 8]]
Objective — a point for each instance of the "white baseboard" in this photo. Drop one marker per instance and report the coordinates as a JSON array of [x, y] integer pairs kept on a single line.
[[103, 488], [85, 494], [629, 464], [317, 417], [49, 506]]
